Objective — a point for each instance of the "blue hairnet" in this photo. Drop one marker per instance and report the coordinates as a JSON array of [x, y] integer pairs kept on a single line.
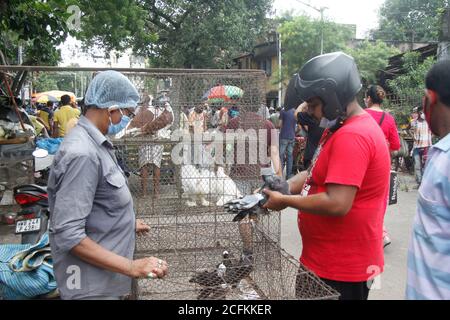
[[111, 88]]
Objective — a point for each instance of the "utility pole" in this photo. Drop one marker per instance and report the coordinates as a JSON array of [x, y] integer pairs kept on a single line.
[[321, 10], [322, 27], [444, 39], [279, 71], [20, 55]]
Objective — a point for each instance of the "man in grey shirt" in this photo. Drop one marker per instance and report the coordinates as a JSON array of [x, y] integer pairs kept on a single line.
[[92, 222]]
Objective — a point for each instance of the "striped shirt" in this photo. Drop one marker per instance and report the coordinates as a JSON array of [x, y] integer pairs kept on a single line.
[[429, 252], [422, 134]]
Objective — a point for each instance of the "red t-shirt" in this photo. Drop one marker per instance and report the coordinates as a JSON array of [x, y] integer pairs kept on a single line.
[[349, 248], [389, 127]]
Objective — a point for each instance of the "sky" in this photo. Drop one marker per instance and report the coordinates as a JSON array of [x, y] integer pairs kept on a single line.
[[363, 13]]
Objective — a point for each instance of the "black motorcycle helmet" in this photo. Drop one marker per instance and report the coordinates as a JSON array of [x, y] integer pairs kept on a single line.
[[334, 78], [292, 98]]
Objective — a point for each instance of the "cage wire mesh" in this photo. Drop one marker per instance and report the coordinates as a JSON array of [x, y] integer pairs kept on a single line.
[[180, 184]]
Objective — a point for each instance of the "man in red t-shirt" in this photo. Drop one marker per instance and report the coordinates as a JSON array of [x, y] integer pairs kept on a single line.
[[342, 199]]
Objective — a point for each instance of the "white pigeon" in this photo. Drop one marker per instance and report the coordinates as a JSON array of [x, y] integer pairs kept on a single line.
[[225, 188], [196, 184]]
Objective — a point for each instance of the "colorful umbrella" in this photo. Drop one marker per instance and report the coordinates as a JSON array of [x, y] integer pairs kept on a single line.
[[53, 96], [222, 94]]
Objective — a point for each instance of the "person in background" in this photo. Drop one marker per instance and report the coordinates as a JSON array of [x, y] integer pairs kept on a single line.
[[197, 120], [197, 126], [313, 133], [39, 126], [429, 251], [253, 121], [288, 126], [184, 120], [151, 155], [422, 142], [264, 112], [92, 222], [275, 118], [414, 115], [45, 113], [62, 116], [374, 98], [31, 109], [223, 117]]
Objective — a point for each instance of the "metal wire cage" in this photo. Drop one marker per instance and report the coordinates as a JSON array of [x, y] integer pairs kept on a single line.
[[209, 255], [268, 273]]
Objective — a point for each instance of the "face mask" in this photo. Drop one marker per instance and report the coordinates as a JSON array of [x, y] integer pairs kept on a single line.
[[114, 129], [427, 112], [234, 113], [327, 124]]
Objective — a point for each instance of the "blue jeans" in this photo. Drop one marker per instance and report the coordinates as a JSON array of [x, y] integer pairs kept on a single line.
[[420, 157], [287, 145]]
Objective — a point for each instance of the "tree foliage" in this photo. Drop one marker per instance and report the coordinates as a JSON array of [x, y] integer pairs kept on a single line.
[[301, 40], [44, 82], [411, 84], [176, 33], [38, 26], [409, 87], [410, 20], [371, 58]]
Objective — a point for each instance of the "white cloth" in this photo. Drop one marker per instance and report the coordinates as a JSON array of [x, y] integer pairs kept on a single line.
[[153, 153]]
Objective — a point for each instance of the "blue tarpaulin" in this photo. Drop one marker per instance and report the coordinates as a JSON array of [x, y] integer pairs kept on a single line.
[[26, 271], [50, 144]]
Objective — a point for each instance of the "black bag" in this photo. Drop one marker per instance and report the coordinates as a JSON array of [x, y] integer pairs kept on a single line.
[[393, 188]]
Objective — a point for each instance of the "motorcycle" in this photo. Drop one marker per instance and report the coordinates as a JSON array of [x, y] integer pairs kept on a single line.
[[33, 218]]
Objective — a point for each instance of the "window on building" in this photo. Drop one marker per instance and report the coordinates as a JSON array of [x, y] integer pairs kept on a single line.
[[266, 65]]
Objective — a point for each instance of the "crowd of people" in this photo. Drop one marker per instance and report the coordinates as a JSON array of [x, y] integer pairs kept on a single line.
[[342, 197], [53, 119]]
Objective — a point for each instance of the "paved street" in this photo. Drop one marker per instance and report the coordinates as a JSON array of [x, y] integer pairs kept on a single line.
[[399, 220]]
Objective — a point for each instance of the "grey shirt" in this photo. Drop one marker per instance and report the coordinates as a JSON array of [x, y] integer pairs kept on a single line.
[[89, 197]]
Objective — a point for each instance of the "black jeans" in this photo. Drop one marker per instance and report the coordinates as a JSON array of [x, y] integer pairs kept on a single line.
[[350, 290]]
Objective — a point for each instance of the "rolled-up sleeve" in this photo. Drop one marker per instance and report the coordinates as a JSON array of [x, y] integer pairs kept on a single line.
[[73, 201]]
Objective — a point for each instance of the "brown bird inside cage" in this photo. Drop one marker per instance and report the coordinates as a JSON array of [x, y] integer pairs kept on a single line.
[[216, 283]]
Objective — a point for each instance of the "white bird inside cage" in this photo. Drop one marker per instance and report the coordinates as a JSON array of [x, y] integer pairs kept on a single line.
[[198, 184], [225, 188]]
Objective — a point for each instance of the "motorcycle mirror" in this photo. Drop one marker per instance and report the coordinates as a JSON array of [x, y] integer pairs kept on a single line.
[[40, 153]]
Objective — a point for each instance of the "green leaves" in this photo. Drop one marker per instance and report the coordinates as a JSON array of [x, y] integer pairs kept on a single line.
[[301, 40], [409, 87], [410, 20], [39, 26], [371, 58], [176, 33]]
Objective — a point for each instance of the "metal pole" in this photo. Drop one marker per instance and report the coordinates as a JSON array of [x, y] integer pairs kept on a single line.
[[76, 85], [279, 71], [322, 27], [20, 55], [321, 11]]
